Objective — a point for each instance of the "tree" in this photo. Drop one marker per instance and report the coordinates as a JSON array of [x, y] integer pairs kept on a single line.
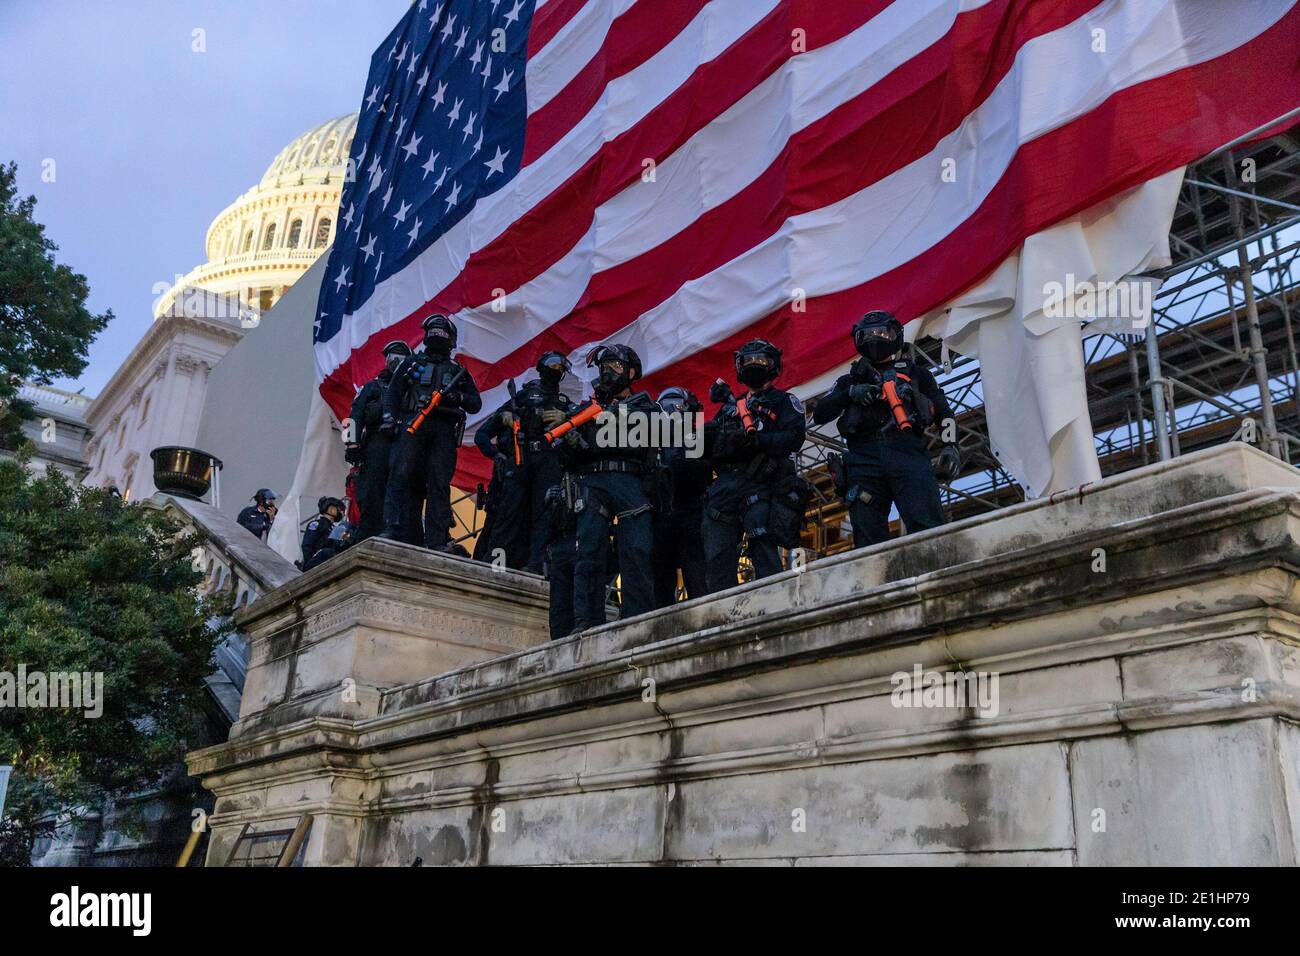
[[92, 585], [45, 327]]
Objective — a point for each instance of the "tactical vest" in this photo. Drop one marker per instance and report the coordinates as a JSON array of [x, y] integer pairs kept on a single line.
[[860, 420], [426, 376]]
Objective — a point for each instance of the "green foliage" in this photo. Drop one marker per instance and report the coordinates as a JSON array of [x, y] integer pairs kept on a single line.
[[91, 584], [45, 328]]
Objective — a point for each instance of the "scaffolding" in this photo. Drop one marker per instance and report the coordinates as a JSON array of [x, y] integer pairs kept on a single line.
[[1217, 362]]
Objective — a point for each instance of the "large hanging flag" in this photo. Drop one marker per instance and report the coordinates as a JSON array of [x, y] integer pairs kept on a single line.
[[683, 175]]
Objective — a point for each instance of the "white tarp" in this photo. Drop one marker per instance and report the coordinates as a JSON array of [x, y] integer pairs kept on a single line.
[[1031, 364]]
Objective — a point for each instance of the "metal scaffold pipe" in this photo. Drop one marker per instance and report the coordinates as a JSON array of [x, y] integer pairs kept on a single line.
[[1159, 415], [1258, 354]]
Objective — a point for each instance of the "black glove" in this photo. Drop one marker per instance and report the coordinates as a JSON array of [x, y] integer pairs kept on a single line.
[[948, 465], [502, 462], [864, 393], [389, 426], [719, 392], [353, 454]]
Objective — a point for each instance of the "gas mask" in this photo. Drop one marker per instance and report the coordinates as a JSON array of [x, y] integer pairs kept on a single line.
[[878, 337], [551, 369], [755, 371], [393, 361], [437, 342]]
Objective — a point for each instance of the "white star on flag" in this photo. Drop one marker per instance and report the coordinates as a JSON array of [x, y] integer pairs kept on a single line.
[[504, 85], [497, 163]]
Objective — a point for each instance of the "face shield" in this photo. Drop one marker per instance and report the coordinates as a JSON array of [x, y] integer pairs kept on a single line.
[[755, 369], [877, 342]]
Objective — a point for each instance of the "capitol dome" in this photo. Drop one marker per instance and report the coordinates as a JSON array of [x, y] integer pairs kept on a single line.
[[266, 239]]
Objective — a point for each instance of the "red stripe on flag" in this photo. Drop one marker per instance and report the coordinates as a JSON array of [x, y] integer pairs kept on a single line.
[[549, 21], [645, 29]]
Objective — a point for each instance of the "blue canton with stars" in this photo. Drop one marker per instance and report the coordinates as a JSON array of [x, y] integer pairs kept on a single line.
[[441, 126]]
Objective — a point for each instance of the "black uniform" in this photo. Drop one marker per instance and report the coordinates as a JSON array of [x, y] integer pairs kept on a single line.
[[678, 519], [423, 463], [255, 520], [317, 531], [517, 503], [885, 465], [337, 540], [756, 491], [611, 480], [561, 553], [376, 453]]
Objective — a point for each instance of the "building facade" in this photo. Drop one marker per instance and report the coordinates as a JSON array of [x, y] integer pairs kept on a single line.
[[58, 431], [155, 398]]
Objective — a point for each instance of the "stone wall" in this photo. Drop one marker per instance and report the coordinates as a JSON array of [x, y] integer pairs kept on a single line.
[[1142, 633]]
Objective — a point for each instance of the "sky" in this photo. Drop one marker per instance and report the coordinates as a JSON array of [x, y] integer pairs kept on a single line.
[[150, 137]]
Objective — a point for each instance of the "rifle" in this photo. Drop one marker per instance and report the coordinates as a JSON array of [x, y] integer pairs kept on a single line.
[[434, 401]]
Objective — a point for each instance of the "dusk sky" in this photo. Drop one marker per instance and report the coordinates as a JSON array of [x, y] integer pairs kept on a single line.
[[150, 139]]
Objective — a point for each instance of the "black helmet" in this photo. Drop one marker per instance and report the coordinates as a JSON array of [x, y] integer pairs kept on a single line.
[[675, 398], [757, 363], [619, 367], [552, 367], [323, 504], [878, 336], [395, 353], [263, 495], [439, 333]]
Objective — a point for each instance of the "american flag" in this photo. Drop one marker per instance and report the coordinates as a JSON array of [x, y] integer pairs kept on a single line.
[[683, 175]]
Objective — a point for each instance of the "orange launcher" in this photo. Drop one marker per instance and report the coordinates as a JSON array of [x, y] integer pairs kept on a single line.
[[562, 429]]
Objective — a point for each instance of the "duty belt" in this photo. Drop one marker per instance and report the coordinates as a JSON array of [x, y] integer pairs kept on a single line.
[[614, 464]]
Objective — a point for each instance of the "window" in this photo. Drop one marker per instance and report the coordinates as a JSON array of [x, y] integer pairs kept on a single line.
[[248, 241], [269, 239], [323, 233], [264, 298], [144, 411], [295, 233]]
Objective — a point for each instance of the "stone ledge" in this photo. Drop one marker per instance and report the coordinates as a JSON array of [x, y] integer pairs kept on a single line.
[[776, 694]]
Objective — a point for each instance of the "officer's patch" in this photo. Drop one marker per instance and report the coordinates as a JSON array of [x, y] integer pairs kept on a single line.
[[795, 403]]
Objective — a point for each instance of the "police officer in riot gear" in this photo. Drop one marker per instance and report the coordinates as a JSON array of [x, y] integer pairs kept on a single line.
[[329, 511], [337, 540], [883, 407], [372, 448], [757, 493], [679, 509], [259, 516], [525, 467], [611, 473], [425, 407]]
